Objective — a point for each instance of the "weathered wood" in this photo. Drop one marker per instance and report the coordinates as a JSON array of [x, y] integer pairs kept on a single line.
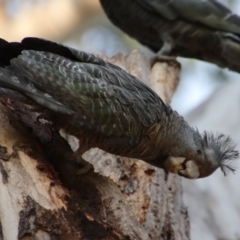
[[42, 197]]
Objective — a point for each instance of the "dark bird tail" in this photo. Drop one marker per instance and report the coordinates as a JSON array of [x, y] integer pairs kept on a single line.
[[222, 49], [15, 81]]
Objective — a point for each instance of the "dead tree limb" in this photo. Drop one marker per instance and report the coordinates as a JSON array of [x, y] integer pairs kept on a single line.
[[42, 197]]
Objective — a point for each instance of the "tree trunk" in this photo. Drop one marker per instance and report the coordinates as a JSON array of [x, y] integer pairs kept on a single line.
[[43, 197]]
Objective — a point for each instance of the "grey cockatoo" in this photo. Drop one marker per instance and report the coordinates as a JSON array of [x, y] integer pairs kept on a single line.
[[106, 107], [201, 29]]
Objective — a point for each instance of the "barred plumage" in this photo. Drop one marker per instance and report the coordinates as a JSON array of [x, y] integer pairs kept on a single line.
[[108, 108], [205, 30]]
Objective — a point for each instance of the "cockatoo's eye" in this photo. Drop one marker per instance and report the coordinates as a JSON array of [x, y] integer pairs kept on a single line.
[[199, 151]]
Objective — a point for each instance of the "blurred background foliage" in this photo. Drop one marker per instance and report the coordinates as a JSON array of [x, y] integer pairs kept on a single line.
[[83, 25]]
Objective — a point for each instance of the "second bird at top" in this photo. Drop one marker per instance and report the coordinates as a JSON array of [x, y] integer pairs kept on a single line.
[[205, 30]]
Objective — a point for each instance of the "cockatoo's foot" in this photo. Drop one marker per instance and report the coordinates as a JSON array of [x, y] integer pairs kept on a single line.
[[83, 166], [163, 54], [162, 58]]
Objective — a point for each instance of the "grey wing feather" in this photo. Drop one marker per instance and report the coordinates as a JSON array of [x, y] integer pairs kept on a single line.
[[9, 80], [100, 93], [210, 12]]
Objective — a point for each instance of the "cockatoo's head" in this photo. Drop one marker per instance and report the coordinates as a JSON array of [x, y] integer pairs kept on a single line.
[[211, 152]]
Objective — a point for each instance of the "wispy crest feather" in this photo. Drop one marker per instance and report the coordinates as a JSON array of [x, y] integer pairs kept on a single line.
[[224, 149]]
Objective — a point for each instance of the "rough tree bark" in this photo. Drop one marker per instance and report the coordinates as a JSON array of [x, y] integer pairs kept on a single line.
[[42, 197]]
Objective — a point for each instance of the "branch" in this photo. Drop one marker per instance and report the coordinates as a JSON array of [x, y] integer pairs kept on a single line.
[[121, 199]]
